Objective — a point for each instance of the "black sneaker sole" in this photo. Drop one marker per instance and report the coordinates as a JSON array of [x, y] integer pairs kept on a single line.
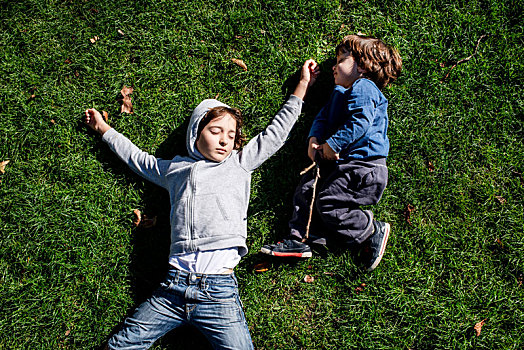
[[286, 255]]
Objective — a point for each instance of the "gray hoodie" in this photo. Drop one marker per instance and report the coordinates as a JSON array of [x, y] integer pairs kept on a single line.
[[209, 200]]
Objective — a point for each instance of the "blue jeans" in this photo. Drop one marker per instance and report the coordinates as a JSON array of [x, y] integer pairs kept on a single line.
[[208, 302]]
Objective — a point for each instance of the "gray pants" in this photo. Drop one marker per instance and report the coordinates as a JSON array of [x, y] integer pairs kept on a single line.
[[341, 190]]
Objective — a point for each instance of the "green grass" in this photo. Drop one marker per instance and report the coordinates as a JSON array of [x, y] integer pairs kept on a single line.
[[71, 263]]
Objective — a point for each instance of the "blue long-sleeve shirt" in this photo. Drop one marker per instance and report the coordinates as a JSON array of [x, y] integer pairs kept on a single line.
[[354, 122]]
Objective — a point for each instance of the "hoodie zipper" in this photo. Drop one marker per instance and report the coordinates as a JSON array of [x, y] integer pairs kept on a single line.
[[190, 202]]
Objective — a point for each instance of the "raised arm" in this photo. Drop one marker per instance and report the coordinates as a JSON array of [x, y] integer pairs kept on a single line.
[[265, 144]]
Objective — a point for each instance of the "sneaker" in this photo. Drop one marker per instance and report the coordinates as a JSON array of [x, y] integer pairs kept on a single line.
[[376, 245], [288, 248]]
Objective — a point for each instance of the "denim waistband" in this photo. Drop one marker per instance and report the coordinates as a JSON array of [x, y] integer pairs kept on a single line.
[[176, 276]]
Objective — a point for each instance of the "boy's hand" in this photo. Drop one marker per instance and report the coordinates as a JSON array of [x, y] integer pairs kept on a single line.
[[327, 152], [308, 76], [95, 121], [312, 148]]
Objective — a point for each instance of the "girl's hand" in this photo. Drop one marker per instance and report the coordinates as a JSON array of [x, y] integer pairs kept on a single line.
[[308, 76], [95, 121], [310, 72]]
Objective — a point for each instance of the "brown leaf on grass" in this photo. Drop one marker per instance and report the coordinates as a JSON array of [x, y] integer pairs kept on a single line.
[[478, 327], [127, 105], [94, 39], [105, 115], [309, 279], [68, 61], [431, 167], [501, 199], [2, 166], [67, 332], [53, 121], [329, 273], [138, 217], [520, 278], [239, 63], [360, 288], [407, 213], [261, 267], [120, 32]]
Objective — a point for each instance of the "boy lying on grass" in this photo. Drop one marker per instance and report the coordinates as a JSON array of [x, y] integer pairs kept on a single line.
[[349, 141], [209, 194]]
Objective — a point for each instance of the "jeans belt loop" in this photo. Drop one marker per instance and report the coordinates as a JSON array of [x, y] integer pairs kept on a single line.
[[177, 277]]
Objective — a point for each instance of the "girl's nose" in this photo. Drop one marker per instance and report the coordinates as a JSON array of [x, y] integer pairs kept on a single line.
[[222, 142]]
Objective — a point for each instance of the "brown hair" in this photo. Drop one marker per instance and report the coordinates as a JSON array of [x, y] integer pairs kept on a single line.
[[380, 62], [218, 112]]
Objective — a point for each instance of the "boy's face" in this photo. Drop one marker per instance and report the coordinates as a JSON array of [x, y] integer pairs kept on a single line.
[[346, 70], [217, 139]]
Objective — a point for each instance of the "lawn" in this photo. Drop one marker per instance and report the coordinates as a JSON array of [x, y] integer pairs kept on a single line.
[[72, 263]]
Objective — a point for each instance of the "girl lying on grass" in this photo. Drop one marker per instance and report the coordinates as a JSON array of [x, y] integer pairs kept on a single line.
[[209, 194]]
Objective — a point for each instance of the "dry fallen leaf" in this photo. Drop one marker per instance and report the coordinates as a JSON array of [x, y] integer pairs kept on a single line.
[[2, 166], [126, 91], [105, 115], [407, 213], [138, 217], [94, 39], [67, 332], [309, 279], [127, 105], [360, 288], [431, 167], [120, 32], [261, 267], [239, 63], [501, 199], [478, 327]]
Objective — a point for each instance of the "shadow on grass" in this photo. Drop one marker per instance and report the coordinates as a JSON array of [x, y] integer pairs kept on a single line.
[[151, 246]]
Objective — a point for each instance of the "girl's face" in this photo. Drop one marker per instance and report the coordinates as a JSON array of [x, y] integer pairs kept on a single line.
[[217, 139], [346, 70]]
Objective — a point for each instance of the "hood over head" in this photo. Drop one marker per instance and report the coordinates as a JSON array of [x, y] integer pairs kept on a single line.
[[198, 113]]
